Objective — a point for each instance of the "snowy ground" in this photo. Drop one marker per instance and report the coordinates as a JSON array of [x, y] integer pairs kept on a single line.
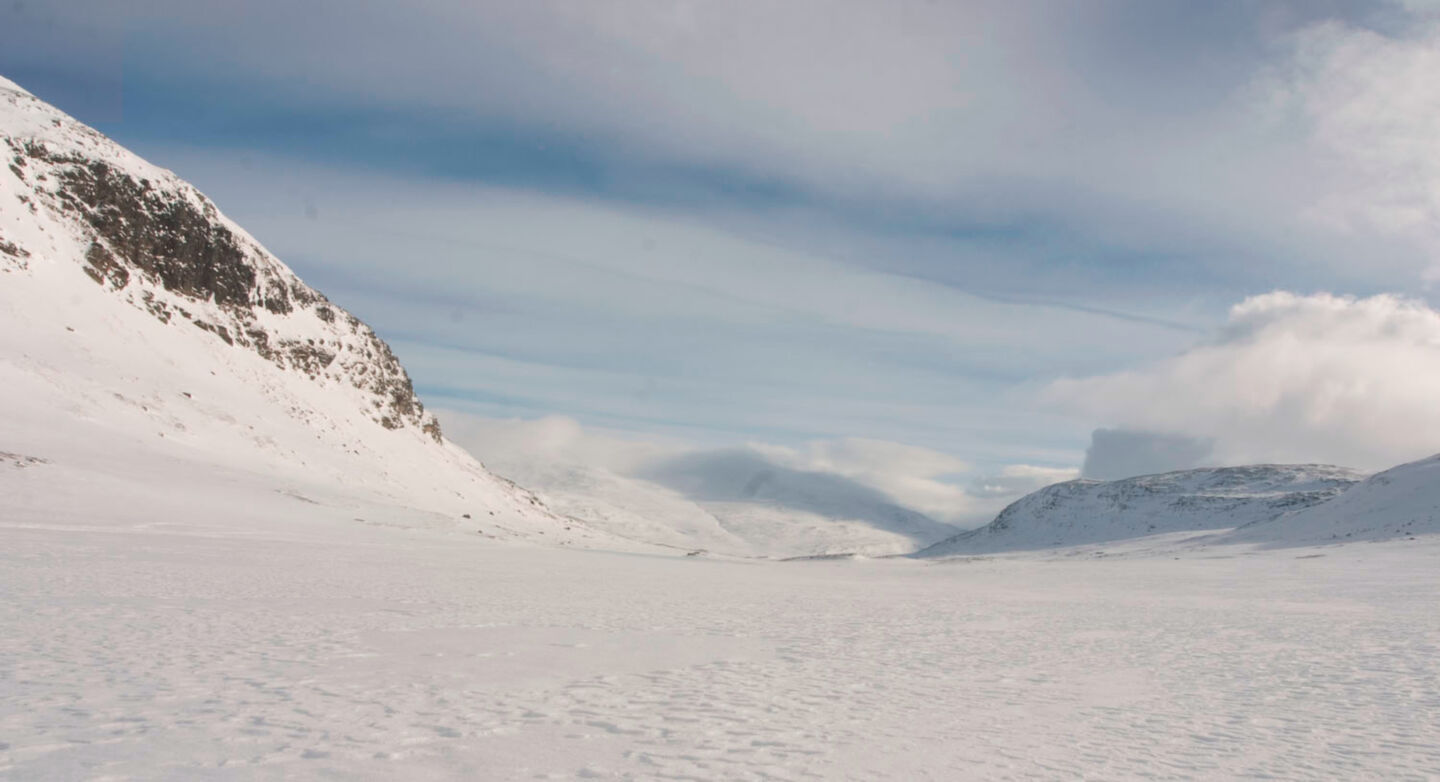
[[229, 632]]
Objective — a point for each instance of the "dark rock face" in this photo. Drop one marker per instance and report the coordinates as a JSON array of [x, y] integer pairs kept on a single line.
[[170, 236], [13, 250], [102, 267], [166, 238]]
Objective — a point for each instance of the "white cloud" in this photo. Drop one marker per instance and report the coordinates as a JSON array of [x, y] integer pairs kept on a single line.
[[1015, 480], [518, 443], [918, 478], [1366, 108], [1290, 378]]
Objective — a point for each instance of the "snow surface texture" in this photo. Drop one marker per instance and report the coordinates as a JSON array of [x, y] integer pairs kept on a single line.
[[138, 320], [1081, 512], [224, 630]]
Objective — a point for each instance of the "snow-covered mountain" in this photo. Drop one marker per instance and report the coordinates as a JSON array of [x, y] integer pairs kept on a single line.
[[138, 323], [1401, 502], [1087, 511]]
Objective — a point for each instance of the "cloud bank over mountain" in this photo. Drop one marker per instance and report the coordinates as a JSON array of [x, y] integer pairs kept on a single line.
[[1290, 378], [1123, 453]]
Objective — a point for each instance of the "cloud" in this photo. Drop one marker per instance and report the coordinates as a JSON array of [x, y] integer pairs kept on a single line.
[[1149, 137], [1290, 378], [1366, 106], [919, 478], [1016, 480], [938, 484], [509, 443], [645, 320], [821, 474], [1120, 453]]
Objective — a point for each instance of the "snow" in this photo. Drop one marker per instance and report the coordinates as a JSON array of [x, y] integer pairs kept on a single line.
[[228, 631]]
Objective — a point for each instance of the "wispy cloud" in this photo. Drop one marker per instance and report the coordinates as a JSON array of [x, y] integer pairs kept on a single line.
[[513, 303]]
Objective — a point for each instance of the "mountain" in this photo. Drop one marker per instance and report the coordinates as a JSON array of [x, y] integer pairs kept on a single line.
[[142, 327], [1087, 511], [1401, 502]]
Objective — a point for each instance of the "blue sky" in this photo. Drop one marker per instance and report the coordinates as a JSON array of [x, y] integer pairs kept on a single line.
[[920, 223]]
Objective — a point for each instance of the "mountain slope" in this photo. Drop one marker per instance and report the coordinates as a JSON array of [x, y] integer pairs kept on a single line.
[[1086, 511], [139, 322]]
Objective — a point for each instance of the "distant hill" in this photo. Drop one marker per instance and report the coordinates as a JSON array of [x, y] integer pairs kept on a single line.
[[1087, 511], [1397, 503]]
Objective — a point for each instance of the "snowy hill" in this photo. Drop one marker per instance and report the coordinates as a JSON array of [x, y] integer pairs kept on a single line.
[[139, 325], [1397, 503], [1086, 511]]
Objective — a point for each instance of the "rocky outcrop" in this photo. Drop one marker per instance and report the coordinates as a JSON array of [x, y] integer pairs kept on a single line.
[[166, 249]]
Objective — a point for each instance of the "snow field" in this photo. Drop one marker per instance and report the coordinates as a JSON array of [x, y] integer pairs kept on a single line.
[[237, 632]]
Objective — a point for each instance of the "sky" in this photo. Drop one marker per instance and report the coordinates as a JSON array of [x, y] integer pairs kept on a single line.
[[932, 246]]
